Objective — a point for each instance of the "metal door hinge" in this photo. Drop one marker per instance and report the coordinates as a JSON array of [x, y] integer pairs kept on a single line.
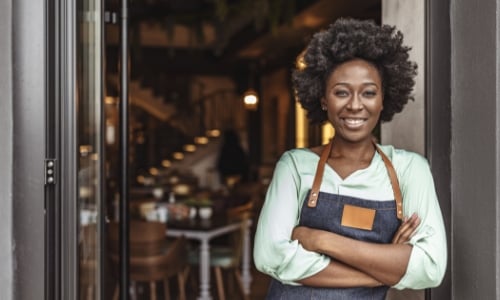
[[50, 171]]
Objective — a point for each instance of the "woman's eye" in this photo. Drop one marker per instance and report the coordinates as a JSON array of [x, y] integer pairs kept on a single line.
[[341, 93], [370, 94]]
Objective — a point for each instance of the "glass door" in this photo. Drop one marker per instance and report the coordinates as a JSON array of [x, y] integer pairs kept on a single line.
[[76, 210], [89, 102], [81, 125]]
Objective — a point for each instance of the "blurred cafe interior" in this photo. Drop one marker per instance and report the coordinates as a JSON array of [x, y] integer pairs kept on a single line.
[[210, 111]]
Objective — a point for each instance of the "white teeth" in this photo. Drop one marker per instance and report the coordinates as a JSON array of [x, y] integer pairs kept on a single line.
[[353, 121]]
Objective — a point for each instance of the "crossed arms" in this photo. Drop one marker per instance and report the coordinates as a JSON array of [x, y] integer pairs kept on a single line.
[[356, 263]]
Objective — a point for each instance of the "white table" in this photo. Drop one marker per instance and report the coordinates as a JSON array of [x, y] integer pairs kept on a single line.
[[204, 231]]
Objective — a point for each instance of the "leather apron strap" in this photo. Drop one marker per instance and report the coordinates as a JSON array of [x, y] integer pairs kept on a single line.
[[313, 196]]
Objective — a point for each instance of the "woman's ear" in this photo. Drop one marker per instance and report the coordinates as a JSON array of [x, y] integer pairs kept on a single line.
[[323, 103]]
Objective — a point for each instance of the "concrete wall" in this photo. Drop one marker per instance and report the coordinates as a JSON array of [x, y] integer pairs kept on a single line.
[[407, 129], [475, 157], [6, 159], [28, 98]]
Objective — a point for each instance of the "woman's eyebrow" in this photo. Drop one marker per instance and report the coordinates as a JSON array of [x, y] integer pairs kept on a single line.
[[364, 83]]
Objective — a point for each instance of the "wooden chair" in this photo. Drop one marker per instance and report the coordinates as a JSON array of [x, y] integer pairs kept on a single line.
[[151, 259], [228, 257]]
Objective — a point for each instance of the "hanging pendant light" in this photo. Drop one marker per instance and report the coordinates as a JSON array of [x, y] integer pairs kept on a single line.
[[251, 99]]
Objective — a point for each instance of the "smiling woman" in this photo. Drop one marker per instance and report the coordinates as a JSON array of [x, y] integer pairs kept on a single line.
[[353, 99], [369, 218]]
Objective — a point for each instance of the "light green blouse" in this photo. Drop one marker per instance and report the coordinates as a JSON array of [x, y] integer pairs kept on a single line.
[[287, 261]]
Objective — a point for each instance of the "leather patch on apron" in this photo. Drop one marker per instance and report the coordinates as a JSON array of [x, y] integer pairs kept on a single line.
[[358, 217]]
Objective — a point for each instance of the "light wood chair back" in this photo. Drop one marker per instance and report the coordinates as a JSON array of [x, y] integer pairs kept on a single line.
[[152, 259], [145, 238]]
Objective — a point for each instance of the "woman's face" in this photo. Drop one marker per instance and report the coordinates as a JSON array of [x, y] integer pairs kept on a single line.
[[353, 100]]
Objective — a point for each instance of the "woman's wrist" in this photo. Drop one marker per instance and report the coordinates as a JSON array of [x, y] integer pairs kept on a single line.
[[322, 240]]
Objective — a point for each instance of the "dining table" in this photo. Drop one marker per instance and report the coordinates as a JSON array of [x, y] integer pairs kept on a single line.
[[204, 231]]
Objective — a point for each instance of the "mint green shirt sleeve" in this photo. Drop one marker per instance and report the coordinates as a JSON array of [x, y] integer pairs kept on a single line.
[[275, 253], [428, 258]]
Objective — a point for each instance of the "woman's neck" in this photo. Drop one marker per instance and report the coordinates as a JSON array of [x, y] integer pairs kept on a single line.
[[359, 151]]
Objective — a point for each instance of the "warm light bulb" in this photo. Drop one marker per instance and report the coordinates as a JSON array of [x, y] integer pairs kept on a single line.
[[153, 171], [178, 155], [201, 140], [213, 133], [189, 148], [251, 99], [166, 163]]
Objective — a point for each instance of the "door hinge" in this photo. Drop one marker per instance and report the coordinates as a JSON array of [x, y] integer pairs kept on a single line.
[[50, 171]]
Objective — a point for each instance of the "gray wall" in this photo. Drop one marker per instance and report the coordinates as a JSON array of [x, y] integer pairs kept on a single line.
[[6, 129], [475, 157], [28, 99]]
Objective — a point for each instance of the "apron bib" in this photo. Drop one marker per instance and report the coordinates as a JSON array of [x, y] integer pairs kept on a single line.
[[324, 211]]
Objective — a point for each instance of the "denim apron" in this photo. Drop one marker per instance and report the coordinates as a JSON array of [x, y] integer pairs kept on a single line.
[[324, 211]]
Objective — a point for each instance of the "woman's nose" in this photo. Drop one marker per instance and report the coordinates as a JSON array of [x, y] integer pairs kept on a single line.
[[355, 103]]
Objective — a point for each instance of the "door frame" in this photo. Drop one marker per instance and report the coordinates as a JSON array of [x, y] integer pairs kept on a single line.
[[62, 220], [61, 118], [58, 136], [438, 118]]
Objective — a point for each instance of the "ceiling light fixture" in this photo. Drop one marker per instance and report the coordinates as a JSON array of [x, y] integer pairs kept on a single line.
[[251, 99], [178, 155], [166, 163], [201, 140], [213, 133], [189, 148]]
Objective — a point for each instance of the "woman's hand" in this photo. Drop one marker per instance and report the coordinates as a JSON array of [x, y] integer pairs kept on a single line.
[[406, 230], [307, 237], [385, 263]]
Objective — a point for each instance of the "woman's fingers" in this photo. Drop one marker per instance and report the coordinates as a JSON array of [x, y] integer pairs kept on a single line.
[[306, 236], [406, 230], [410, 229]]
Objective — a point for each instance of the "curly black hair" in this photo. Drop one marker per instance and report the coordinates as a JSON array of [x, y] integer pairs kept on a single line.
[[348, 39]]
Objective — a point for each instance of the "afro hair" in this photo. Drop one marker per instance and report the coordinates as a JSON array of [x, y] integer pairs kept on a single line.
[[348, 39]]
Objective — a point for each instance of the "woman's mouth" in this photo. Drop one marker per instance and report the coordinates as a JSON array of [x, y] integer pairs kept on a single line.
[[353, 123]]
